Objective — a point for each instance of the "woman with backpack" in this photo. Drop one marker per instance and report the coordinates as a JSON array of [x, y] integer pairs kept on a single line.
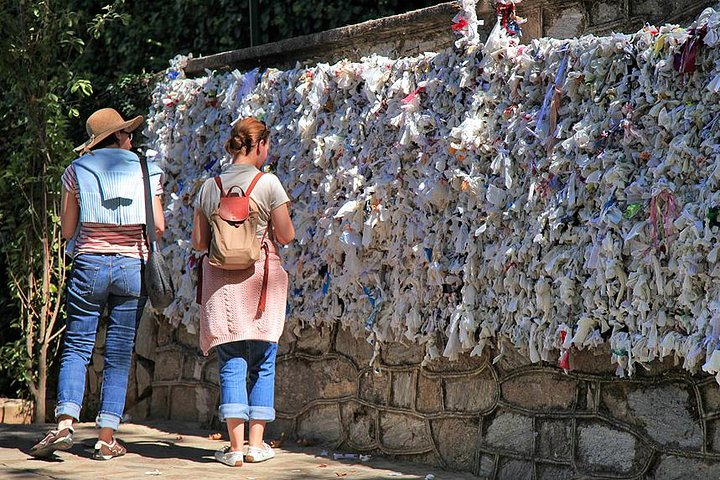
[[103, 218], [240, 217]]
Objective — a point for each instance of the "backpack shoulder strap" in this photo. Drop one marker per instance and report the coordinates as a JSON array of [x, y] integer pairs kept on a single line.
[[252, 184], [218, 182]]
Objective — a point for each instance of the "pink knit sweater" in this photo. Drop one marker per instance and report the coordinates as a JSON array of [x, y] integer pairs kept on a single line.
[[230, 300]]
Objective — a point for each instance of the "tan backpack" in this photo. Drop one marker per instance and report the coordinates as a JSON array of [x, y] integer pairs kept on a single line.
[[234, 244]]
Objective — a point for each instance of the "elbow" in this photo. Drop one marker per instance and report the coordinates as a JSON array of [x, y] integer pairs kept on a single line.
[[159, 225], [67, 232], [285, 239], [199, 244]]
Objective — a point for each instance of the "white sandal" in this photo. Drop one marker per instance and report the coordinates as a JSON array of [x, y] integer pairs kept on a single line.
[[259, 454], [107, 451], [229, 458]]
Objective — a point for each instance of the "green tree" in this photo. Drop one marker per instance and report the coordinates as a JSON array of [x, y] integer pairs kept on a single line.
[[42, 45], [157, 32]]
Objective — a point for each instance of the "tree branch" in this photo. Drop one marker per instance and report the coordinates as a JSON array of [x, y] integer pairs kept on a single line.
[[23, 298], [56, 334]]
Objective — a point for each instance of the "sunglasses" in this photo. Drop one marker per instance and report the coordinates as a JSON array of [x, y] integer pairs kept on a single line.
[[129, 134]]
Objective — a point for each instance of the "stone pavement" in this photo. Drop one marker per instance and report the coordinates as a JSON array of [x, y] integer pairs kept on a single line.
[[177, 450]]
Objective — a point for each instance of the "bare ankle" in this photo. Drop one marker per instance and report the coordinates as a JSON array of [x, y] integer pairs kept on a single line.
[[106, 435], [65, 422]]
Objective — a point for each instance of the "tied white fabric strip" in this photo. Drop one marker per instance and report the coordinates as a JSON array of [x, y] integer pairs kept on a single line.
[[428, 182]]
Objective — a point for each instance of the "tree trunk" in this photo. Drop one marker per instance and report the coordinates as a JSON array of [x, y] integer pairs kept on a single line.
[[41, 390]]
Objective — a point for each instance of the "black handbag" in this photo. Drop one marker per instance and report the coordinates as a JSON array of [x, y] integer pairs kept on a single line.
[[158, 282]]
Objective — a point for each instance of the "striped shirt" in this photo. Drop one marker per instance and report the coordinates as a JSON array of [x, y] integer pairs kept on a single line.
[[127, 240]]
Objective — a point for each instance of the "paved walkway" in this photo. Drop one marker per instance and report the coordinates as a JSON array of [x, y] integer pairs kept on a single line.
[[178, 451]]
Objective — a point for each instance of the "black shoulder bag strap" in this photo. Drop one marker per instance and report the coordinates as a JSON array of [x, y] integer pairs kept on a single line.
[[150, 234]]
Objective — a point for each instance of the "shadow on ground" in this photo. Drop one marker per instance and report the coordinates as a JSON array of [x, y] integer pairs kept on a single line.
[[184, 452], [166, 450]]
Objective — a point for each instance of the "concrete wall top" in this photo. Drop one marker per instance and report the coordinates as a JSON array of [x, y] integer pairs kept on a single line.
[[428, 29]]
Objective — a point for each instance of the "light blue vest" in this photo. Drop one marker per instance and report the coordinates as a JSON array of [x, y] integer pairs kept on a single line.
[[111, 187]]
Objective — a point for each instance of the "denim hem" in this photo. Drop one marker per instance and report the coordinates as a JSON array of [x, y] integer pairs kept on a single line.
[[262, 413], [107, 420], [234, 410], [70, 409]]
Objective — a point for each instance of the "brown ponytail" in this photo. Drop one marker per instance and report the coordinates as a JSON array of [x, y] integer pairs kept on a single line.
[[246, 133]]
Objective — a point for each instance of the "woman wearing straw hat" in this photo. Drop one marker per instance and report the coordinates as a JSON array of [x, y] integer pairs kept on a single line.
[[102, 217]]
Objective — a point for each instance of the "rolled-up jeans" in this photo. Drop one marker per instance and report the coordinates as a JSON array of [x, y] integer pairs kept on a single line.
[[247, 380], [98, 281]]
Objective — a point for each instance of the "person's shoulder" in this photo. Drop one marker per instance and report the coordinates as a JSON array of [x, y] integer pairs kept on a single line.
[[271, 178], [69, 173], [207, 182], [84, 164], [154, 168], [80, 160]]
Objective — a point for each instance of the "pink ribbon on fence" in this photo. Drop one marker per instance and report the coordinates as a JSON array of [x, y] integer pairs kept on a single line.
[[412, 95]]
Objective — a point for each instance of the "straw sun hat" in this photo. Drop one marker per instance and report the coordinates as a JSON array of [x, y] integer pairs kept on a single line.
[[104, 123]]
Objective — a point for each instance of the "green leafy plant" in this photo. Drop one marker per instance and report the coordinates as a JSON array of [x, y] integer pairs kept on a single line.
[[42, 88]]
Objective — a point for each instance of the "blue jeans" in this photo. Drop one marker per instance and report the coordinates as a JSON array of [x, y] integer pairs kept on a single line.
[[96, 282], [247, 380]]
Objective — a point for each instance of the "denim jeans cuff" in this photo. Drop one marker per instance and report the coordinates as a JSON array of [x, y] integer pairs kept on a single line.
[[234, 410], [107, 420], [262, 413], [67, 408]]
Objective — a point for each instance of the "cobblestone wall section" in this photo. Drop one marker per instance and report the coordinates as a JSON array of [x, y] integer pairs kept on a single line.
[[499, 418], [503, 420]]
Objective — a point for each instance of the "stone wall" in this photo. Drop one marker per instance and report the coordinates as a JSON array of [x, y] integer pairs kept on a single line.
[[503, 419], [15, 411], [499, 418]]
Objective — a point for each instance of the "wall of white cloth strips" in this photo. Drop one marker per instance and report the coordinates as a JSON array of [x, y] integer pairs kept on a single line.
[[561, 194]]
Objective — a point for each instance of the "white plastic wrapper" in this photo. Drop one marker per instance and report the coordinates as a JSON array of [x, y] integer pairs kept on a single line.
[[560, 195]]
